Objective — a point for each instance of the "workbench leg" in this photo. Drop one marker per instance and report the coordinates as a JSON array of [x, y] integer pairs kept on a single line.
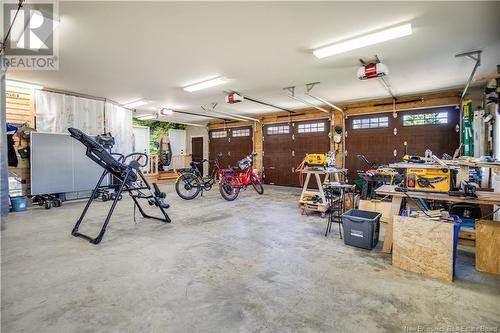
[[463, 174], [320, 189], [395, 210], [304, 189]]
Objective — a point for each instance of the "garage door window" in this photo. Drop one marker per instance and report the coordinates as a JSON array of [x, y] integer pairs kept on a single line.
[[376, 122], [271, 130], [311, 127], [241, 132], [219, 134], [432, 118]]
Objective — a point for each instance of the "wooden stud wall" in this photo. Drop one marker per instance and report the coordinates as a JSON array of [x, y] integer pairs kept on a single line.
[[428, 100], [20, 109]]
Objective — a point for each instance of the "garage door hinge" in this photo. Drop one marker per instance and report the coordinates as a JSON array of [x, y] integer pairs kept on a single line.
[[293, 152], [228, 153], [293, 136], [293, 170]]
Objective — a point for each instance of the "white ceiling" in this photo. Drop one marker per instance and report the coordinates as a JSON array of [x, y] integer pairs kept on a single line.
[[130, 50]]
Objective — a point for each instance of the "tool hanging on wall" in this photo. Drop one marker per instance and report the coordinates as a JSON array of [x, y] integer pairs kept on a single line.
[[467, 138]]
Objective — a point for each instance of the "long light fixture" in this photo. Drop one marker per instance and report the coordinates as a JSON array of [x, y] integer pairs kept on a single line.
[[359, 42], [166, 112], [136, 104], [147, 117], [205, 84], [23, 84]]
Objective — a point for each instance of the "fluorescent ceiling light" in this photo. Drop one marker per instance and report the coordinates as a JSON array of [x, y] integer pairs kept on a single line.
[[359, 42], [23, 84], [136, 104], [147, 116], [205, 84]]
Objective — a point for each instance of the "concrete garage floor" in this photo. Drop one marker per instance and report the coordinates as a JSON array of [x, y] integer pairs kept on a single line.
[[253, 265]]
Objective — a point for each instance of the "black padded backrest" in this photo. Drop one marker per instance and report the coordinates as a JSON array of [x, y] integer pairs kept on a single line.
[[100, 155]]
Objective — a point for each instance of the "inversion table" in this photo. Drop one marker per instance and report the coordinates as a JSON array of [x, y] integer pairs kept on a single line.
[[128, 177]]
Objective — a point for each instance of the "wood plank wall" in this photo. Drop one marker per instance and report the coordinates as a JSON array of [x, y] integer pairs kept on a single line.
[[20, 109], [427, 100]]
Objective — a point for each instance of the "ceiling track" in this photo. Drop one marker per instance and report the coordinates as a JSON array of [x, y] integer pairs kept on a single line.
[[476, 56], [199, 115], [400, 102], [291, 95], [254, 100]]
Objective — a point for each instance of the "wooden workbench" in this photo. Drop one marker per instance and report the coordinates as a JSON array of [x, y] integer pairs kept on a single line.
[[483, 198], [322, 206], [464, 167]]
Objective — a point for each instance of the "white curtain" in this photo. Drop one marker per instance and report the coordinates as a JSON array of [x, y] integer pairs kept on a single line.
[[89, 116], [119, 123], [49, 107], [55, 113]]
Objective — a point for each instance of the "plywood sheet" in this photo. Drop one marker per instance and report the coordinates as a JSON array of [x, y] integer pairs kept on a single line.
[[378, 206], [488, 246], [20, 110], [423, 246]]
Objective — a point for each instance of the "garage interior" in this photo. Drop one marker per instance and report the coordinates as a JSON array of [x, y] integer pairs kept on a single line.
[[250, 166]]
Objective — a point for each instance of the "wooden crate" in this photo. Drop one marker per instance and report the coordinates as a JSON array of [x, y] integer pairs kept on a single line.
[[488, 246], [423, 246]]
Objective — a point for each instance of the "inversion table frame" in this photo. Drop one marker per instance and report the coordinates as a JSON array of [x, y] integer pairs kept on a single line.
[[128, 175]]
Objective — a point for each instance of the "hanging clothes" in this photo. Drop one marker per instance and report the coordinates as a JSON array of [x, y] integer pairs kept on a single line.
[[11, 152]]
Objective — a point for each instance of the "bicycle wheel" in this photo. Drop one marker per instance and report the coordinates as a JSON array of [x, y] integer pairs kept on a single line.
[[226, 188], [257, 185], [187, 186]]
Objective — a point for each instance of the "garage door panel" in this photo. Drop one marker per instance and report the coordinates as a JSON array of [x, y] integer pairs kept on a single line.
[[380, 143], [440, 138], [233, 143], [277, 160], [310, 137], [240, 144], [371, 136], [285, 146], [219, 143]]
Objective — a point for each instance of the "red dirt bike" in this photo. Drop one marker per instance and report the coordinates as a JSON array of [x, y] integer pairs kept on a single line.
[[234, 179]]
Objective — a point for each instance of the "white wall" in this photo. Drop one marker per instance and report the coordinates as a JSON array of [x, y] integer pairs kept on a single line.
[[192, 131]]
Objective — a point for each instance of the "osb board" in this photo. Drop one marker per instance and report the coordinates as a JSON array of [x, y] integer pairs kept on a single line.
[[423, 246], [20, 105], [381, 207], [19, 110], [488, 246]]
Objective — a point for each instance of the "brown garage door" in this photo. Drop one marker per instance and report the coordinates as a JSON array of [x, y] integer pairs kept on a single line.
[[285, 146], [277, 155], [233, 143], [381, 137]]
